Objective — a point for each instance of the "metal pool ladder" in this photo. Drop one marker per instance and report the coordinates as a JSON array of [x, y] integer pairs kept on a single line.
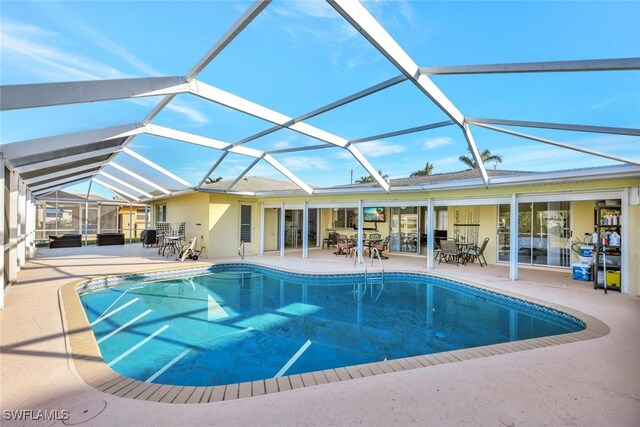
[[375, 253], [359, 289], [241, 250], [370, 282]]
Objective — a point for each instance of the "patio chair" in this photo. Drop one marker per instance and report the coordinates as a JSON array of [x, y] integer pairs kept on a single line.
[[478, 252], [382, 246], [331, 240], [450, 252], [344, 245]]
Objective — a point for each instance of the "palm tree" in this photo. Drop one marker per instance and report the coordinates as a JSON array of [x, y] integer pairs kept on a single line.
[[211, 180], [370, 178], [428, 170], [486, 156]]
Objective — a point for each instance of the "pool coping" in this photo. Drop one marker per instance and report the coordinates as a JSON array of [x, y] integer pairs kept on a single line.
[[94, 371]]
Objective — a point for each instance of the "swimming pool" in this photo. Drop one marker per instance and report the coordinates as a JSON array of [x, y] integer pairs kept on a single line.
[[235, 323]]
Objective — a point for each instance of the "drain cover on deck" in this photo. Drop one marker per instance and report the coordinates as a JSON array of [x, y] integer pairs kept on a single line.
[[85, 411]]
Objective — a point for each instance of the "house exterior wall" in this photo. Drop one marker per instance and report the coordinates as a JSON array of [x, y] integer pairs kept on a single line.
[[219, 215]]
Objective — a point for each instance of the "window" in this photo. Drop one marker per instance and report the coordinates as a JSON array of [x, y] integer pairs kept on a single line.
[[345, 218], [440, 218], [245, 223], [161, 213]]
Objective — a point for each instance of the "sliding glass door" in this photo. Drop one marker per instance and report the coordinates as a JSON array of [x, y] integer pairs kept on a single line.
[[543, 233], [404, 230]]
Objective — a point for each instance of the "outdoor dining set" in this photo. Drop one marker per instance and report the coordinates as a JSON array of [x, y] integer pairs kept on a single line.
[[445, 250], [345, 245], [459, 251]]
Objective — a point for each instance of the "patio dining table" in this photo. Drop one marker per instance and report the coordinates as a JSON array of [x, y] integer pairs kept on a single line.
[[462, 250]]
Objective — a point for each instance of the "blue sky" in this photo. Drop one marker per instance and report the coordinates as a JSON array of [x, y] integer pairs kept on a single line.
[[298, 56]]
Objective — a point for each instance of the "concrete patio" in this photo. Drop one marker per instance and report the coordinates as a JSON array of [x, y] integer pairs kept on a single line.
[[594, 382]]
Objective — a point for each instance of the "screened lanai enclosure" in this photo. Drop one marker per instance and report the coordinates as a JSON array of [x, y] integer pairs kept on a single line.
[[318, 94]]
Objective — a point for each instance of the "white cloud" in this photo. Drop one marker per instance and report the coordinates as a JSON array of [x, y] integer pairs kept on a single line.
[[191, 113], [604, 103], [306, 163], [439, 141], [380, 148], [31, 49]]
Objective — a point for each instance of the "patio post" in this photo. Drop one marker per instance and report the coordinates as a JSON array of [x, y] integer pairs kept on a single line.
[[430, 238], [513, 238], [12, 268], [2, 230], [282, 230], [21, 223], [261, 237], [86, 216], [130, 222], [360, 225], [146, 216], [305, 230]]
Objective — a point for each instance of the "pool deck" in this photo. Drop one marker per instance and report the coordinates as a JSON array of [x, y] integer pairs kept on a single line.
[[592, 382]]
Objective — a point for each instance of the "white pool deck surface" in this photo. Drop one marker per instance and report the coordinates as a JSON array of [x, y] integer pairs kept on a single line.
[[588, 383]]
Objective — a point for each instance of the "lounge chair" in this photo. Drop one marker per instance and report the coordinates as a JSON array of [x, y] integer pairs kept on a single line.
[[188, 250], [478, 252]]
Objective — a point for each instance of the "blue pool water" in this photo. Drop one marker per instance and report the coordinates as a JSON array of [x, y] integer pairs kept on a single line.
[[238, 323]]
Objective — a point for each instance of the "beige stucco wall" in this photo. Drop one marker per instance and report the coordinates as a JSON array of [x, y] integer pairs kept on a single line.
[[219, 217], [582, 221], [191, 209], [271, 218], [224, 225]]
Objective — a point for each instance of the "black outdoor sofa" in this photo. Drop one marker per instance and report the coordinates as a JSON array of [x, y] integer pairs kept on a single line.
[[105, 239], [65, 241]]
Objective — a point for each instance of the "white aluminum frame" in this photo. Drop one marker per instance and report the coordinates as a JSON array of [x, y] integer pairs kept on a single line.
[[118, 191]]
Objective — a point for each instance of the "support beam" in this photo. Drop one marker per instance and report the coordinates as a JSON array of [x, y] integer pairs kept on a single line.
[[360, 228], [556, 126], [62, 181], [365, 163], [249, 15], [351, 98], [360, 18], [118, 191], [562, 145], [25, 148], [261, 247], [286, 172], [13, 97], [126, 184], [80, 169], [618, 64], [12, 222], [430, 236], [239, 177], [190, 138], [476, 155], [513, 238], [237, 103], [403, 132], [156, 167], [22, 224], [305, 230], [139, 178], [64, 160], [282, 228], [3, 220], [211, 169]]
